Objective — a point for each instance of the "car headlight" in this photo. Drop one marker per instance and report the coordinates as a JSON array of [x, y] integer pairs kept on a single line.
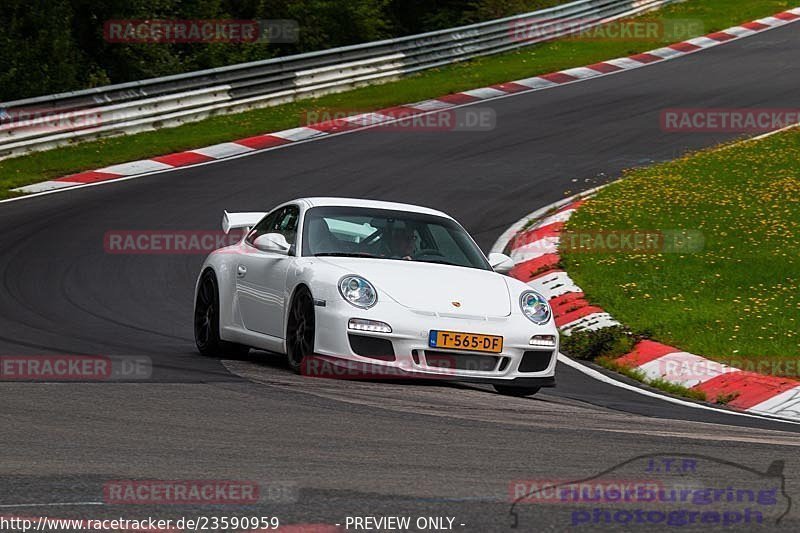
[[535, 307], [358, 291]]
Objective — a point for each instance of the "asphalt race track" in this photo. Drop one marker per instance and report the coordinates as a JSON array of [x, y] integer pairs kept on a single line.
[[352, 448]]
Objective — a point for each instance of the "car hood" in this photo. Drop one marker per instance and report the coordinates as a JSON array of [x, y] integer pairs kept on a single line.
[[444, 289]]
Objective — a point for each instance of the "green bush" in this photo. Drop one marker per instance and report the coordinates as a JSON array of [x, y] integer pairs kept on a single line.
[[607, 342]]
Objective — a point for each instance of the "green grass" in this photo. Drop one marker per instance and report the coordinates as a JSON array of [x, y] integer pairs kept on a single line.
[[737, 299], [532, 61]]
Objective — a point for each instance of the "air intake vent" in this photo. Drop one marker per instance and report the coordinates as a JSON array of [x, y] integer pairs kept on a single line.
[[535, 361], [372, 347]]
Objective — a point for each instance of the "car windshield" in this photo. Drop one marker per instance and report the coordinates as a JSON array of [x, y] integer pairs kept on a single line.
[[389, 234]]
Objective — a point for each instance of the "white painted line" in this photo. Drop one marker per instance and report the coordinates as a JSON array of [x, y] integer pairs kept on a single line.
[[45, 186], [685, 369], [135, 167], [785, 404], [222, 150], [21, 505], [485, 92], [536, 83], [581, 72], [298, 134], [599, 376], [768, 134]]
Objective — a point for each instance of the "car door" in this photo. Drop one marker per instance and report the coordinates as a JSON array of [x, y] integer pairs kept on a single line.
[[261, 275]]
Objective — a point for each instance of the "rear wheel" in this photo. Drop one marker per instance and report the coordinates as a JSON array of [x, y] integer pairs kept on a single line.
[[300, 329], [206, 322], [510, 390]]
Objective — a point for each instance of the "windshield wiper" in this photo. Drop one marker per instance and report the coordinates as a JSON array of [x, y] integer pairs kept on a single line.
[[344, 254], [438, 261]]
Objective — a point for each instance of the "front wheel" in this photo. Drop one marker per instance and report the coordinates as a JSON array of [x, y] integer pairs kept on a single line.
[[206, 322], [510, 390], [300, 329]]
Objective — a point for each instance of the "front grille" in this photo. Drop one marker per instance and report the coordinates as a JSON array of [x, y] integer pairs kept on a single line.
[[455, 361], [372, 347], [535, 361]]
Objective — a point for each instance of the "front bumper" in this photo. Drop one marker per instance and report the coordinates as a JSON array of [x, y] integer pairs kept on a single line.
[[519, 363]]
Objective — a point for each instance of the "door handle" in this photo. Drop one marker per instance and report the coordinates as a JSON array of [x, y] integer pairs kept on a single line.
[[241, 271]]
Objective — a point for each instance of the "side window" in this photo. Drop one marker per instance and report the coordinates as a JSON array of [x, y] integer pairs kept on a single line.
[[286, 224], [263, 227], [283, 221]]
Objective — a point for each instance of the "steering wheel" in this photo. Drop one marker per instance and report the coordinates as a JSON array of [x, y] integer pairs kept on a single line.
[[369, 239]]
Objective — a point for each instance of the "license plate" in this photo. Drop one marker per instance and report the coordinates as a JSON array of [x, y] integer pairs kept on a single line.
[[474, 342]]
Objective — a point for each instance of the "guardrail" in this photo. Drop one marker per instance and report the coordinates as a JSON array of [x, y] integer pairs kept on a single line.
[[71, 117]]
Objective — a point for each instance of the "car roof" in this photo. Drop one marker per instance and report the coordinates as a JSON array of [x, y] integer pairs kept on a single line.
[[374, 204]]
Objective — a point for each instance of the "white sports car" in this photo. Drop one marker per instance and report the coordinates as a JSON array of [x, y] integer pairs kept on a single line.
[[364, 284]]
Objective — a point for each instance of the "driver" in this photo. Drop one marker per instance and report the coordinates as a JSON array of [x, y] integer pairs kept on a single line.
[[401, 243]]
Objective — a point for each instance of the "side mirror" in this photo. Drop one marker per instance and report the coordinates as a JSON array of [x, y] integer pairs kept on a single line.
[[272, 242], [501, 263]]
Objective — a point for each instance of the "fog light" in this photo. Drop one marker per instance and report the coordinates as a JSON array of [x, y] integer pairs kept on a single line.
[[360, 324], [547, 341]]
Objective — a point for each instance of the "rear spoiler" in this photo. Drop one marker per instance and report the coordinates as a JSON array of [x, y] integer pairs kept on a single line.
[[240, 220]]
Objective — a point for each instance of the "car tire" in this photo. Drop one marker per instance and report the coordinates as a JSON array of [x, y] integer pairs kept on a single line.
[[510, 390], [300, 329], [206, 322]]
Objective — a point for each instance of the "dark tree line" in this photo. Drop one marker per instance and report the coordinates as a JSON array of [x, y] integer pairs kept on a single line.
[[49, 46]]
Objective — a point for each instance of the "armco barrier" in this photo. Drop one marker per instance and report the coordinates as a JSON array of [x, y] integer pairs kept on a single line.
[[172, 100]]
